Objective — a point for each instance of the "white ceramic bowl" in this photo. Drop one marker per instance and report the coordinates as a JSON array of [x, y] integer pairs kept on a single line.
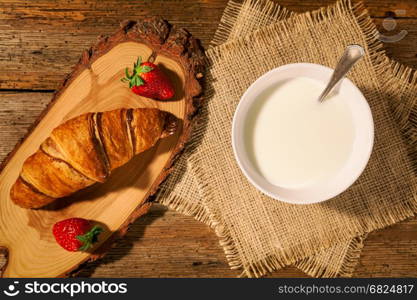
[[353, 167]]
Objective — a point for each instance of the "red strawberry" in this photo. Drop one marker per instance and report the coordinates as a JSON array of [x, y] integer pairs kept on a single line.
[[76, 234], [149, 81]]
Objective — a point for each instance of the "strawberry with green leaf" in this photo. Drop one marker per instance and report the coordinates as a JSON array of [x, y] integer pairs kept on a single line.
[[76, 234], [149, 81]]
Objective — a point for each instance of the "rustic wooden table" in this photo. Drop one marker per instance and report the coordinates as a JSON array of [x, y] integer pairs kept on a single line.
[[40, 40]]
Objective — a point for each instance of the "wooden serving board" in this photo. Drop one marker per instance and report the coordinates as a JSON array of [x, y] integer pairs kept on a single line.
[[94, 85]]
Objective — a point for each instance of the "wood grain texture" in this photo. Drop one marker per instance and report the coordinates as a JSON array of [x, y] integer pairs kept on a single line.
[[377, 9], [94, 86], [164, 243], [41, 40]]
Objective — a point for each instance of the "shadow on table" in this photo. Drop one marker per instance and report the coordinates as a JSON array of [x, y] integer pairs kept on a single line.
[[382, 185], [124, 245]]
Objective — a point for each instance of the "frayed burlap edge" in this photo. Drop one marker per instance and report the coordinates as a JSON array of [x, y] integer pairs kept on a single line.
[[406, 113], [174, 201], [182, 206], [392, 216], [227, 22], [232, 12], [398, 71], [316, 267]]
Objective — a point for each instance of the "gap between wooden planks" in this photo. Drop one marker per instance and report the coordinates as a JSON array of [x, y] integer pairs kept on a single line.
[[165, 243], [42, 40]]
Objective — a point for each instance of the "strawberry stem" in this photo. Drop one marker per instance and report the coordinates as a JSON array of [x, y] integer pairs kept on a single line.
[[134, 79], [89, 238]]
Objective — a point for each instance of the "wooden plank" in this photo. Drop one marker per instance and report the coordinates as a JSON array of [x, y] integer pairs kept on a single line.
[[40, 41], [404, 49], [165, 243], [17, 112], [376, 8], [122, 200]]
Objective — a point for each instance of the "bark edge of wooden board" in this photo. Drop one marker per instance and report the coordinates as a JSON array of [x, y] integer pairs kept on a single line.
[[164, 39]]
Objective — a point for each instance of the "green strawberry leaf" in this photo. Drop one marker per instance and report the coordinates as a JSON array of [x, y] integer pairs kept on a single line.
[[144, 69], [89, 238], [139, 81], [128, 76], [134, 79], [139, 61]]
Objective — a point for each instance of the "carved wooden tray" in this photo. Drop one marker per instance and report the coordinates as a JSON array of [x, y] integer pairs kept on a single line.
[[94, 85]]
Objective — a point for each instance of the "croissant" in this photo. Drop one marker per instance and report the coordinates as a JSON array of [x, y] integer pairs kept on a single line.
[[85, 150]]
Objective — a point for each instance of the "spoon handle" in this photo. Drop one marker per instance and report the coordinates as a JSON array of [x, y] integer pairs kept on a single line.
[[351, 55]]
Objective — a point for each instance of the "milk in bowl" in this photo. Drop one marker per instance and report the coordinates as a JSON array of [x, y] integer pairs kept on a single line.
[[294, 148], [293, 139]]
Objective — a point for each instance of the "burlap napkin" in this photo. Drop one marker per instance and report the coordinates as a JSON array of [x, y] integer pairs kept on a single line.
[[240, 19], [275, 239], [181, 191]]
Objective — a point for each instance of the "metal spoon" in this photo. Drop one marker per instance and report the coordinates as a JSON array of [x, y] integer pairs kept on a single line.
[[351, 55]]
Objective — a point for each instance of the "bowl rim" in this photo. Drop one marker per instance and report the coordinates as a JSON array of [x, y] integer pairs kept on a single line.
[[254, 179]]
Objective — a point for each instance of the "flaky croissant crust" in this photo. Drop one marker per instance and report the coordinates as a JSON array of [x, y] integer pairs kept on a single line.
[[85, 150]]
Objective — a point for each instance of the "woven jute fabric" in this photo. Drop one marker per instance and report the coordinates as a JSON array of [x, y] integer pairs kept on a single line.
[[181, 191], [260, 234], [240, 19]]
